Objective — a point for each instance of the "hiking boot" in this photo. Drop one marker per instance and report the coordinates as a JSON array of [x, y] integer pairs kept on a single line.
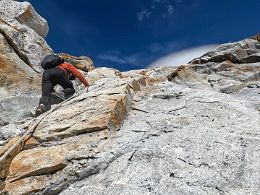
[[40, 109], [68, 92], [57, 98], [68, 96]]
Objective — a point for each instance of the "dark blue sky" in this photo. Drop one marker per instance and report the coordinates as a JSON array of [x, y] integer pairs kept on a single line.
[[130, 34]]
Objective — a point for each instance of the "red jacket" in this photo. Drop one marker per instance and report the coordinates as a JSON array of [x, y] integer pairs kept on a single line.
[[69, 68]]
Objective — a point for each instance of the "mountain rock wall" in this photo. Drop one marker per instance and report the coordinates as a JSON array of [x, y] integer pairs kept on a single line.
[[22, 47], [187, 130], [24, 31]]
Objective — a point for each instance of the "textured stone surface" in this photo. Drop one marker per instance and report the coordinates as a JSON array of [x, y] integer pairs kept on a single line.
[[21, 48], [19, 85], [4, 168], [179, 140], [36, 162], [83, 63], [245, 51], [29, 185], [197, 135], [25, 14], [77, 131], [134, 132], [24, 28]]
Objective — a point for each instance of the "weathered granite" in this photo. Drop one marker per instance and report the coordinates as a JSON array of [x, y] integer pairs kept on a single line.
[[82, 62], [179, 140], [93, 116], [171, 138], [24, 30], [245, 51], [134, 132], [21, 49]]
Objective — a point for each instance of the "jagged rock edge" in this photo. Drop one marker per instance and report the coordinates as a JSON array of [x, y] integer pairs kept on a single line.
[[24, 58]]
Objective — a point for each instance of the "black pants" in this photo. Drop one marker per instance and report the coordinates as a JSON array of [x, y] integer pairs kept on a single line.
[[52, 77]]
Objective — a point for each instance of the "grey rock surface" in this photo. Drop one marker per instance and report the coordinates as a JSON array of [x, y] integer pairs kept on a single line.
[[22, 47], [137, 133], [24, 29], [245, 51], [181, 141], [131, 132]]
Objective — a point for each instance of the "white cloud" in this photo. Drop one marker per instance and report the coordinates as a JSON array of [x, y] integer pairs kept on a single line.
[[135, 59], [112, 58], [170, 9], [164, 7], [182, 57], [143, 15]]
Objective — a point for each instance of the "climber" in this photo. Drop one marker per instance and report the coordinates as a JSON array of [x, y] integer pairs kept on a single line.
[[57, 71]]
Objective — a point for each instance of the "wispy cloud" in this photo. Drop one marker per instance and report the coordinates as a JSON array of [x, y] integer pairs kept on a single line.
[[136, 59], [157, 54], [169, 11], [143, 58], [143, 15], [168, 47], [182, 57], [112, 58], [165, 7]]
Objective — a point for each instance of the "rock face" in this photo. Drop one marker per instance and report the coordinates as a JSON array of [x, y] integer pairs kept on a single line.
[[136, 132], [22, 47], [82, 63], [24, 30]]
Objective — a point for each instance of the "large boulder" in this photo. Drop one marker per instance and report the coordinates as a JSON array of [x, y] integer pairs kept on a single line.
[[245, 51], [24, 30], [82, 62]]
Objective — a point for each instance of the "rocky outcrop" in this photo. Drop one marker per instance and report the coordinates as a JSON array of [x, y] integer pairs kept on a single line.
[[136, 132], [240, 77], [180, 140], [24, 31], [75, 131], [22, 46], [245, 51], [197, 134], [82, 63]]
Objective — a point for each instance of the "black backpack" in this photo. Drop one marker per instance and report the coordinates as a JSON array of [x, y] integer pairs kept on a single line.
[[51, 61]]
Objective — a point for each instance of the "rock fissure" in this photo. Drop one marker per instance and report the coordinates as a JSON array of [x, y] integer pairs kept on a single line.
[[11, 44]]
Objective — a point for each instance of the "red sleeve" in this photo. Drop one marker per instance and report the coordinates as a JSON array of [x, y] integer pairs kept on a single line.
[[77, 74]]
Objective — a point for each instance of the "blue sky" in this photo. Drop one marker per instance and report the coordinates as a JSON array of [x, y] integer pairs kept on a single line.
[[132, 34]]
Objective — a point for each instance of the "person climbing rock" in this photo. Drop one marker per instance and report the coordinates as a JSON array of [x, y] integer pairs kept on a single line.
[[57, 72]]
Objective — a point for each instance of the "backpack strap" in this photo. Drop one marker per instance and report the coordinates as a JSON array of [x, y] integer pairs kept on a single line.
[[63, 69]]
